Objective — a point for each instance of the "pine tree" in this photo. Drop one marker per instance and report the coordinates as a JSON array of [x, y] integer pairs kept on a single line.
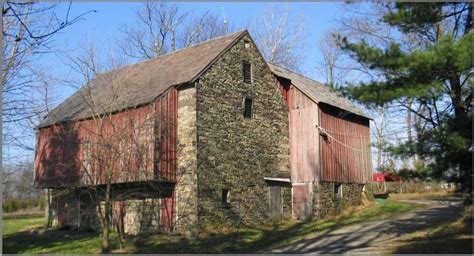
[[437, 76]]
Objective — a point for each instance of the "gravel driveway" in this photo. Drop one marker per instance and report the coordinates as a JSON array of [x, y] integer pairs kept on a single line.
[[377, 236]]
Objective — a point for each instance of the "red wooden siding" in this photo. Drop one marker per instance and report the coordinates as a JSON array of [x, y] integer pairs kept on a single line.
[[346, 151], [166, 135], [304, 137], [127, 141]]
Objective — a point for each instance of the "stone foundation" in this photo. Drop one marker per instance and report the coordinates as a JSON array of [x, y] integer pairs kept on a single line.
[[327, 203]]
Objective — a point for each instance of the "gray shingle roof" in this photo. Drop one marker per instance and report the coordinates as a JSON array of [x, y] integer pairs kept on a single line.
[[141, 83], [316, 91]]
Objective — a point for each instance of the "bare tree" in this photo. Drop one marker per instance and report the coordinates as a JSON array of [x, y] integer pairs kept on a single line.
[[279, 34], [118, 151], [332, 56], [162, 27], [28, 28], [362, 22]]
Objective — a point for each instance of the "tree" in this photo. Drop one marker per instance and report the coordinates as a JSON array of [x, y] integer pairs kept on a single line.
[[162, 27], [280, 37], [28, 29], [360, 21], [436, 76], [332, 56]]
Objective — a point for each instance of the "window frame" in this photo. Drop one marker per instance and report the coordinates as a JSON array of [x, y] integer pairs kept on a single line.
[[250, 79], [244, 105]]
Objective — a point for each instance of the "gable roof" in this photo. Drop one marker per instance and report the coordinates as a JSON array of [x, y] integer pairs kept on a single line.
[[141, 83], [316, 91]]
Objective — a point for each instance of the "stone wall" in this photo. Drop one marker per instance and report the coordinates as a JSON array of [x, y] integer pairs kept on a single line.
[[327, 203], [234, 153], [186, 176], [141, 216]]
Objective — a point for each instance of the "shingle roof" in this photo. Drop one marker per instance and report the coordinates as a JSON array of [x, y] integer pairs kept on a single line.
[[140, 83], [316, 91]]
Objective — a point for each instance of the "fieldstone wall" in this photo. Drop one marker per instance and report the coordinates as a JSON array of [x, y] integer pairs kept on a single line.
[[327, 203], [186, 176], [235, 154], [141, 216]]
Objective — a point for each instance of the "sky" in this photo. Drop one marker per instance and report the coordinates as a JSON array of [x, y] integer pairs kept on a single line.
[[103, 27]]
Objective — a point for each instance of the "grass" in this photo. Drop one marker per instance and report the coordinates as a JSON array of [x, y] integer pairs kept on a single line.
[[454, 237], [23, 235]]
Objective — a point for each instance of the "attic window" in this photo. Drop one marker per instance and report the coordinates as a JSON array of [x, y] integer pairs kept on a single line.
[[248, 105], [247, 71]]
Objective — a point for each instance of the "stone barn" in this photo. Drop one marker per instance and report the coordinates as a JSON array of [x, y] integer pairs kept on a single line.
[[207, 135]]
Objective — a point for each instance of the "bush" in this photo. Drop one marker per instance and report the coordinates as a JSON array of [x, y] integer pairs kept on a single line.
[[14, 205]]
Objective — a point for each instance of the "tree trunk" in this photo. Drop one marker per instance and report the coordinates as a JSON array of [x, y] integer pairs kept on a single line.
[[106, 226], [48, 210]]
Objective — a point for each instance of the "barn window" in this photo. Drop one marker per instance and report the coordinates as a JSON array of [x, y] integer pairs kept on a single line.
[[225, 197], [248, 107], [247, 71], [338, 190]]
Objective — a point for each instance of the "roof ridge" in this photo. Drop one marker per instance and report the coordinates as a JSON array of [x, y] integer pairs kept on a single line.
[[182, 49], [300, 74]]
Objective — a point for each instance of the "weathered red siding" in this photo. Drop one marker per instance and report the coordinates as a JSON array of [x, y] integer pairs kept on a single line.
[[343, 157], [127, 141], [346, 151], [304, 137]]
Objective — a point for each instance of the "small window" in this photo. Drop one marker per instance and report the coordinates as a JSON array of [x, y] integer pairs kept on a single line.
[[248, 105], [247, 71], [225, 197], [338, 190]]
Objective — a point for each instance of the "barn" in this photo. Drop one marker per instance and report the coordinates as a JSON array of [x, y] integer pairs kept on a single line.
[[207, 135], [329, 146]]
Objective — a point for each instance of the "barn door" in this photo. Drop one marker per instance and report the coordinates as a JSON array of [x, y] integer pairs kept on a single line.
[[276, 208], [302, 201]]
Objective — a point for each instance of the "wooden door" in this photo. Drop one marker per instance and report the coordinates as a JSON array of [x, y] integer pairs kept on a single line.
[[276, 208]]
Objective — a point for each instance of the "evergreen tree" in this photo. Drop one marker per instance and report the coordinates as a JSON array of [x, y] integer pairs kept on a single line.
[[436, 75]]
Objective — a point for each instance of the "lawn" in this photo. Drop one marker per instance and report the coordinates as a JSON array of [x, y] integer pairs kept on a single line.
[[23, 235]]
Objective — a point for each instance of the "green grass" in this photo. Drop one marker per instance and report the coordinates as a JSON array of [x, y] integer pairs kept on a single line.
[[15, 224], [22, 235]]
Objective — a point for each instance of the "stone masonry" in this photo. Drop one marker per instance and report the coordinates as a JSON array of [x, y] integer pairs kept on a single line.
[[235, 154], [187, 185], [326, 203]]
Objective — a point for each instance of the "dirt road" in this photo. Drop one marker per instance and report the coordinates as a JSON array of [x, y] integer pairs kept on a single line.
[[377, 236]]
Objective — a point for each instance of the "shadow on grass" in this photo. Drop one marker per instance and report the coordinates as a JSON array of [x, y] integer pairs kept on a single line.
[[261, 238], [454, 238], [305, 237], [51, 241]]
